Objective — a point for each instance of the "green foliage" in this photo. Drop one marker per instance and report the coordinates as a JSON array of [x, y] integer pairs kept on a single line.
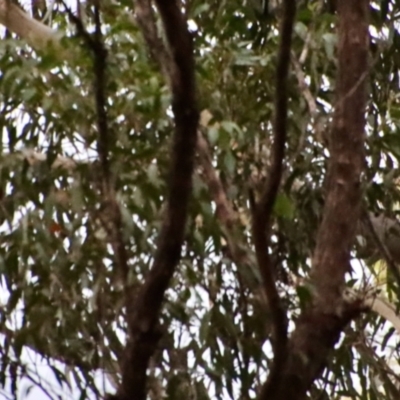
[[61, 297]]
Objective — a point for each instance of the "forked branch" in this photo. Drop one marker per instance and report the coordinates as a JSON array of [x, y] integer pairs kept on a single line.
[[322, 321]]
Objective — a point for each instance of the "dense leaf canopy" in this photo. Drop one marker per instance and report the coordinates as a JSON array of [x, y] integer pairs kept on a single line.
[[62, 292]]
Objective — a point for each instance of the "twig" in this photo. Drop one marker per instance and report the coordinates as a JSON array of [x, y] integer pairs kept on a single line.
[[312, 104], [383, 249], [263, 210], [82, 32], [224, 212], [306, 47], [379, 366], [350, 93], [111, 215]]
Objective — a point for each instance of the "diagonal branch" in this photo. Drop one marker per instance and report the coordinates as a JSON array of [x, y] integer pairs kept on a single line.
[[224, 211], [143, 317], [377, 303], [263, 210], [312, 104], [37, 34], [379, 222]]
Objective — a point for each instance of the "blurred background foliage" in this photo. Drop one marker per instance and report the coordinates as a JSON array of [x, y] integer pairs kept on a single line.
[[60, 297]]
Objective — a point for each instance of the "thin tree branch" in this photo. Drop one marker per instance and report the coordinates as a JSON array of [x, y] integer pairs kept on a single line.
[[224, 210], [382, 307], [143, 317], [262, 211], [306, 48], [312, 107], [312, 104], [100, 84], [111, 215], [391, 263]]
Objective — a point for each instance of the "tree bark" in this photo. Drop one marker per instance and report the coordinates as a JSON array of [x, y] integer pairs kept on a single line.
[[321, 323], [36, 34]]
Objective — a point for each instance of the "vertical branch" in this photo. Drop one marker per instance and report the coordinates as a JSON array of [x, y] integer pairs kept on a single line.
[[320, 324], [143, 316], [346, 146], [147, 23], [100, 62], [111, 215], [263, 210], [99, 54]]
